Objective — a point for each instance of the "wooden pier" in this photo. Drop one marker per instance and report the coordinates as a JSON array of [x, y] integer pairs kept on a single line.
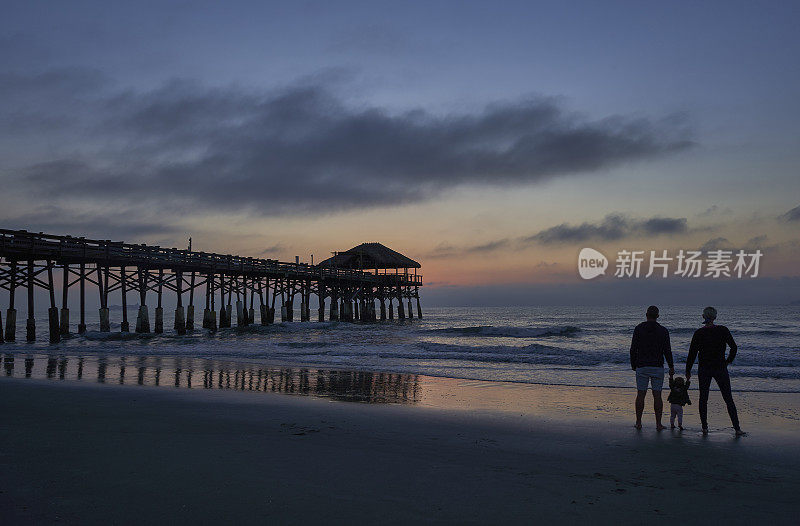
[[351, 282]]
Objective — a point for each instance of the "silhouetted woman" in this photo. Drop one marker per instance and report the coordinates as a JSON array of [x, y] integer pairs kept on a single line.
[[709, 343]]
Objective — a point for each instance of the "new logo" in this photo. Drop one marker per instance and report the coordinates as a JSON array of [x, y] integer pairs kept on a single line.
[[591, 263]]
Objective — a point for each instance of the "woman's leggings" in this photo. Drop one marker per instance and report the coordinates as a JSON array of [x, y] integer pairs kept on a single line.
[[704, 377]]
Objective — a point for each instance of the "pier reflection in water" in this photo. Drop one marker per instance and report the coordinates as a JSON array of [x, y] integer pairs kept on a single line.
[[194, 373]]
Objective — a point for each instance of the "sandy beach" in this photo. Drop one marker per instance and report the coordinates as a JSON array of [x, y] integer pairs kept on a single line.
[[462, 452]]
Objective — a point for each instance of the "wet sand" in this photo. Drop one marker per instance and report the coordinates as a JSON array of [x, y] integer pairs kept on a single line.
[[446, 451]]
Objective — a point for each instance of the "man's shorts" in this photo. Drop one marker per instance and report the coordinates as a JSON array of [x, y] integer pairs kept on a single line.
[[651, 375]]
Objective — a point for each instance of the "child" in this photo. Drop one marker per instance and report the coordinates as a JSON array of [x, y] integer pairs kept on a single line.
[[678, 397]]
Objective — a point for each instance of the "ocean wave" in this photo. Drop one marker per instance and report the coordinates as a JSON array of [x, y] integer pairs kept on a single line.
[[506, 331], [787, 331]]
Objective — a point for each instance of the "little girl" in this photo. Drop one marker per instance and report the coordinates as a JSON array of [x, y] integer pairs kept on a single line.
[[678, 397]]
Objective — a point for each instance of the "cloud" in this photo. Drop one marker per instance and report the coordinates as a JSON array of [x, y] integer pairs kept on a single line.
[[121, 225], [488, 247], [717, 243], [715, 210], [444, 250], [613, 227], [661, 225], [757, 242], [273, 249], [792, 215], [300, 149]]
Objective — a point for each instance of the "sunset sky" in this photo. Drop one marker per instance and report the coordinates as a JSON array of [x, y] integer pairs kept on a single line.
[[490, 141]]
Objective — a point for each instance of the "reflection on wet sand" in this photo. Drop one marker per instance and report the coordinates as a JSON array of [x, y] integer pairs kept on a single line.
[[191, 373]]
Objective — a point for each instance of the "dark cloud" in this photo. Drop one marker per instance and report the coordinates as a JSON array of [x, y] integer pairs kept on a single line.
[[272, 250], [444, 250], [757, 242], [303, 149], [717, 243], [123, 225], [715, 210], [613, 227], [662, 225], [792, 215], [488, 247]]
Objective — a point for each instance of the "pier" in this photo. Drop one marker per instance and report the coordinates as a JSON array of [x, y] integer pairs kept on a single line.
[[350, 282]]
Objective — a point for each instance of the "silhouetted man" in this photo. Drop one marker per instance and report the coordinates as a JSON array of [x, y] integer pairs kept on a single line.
[[709, 343], [649, 347]]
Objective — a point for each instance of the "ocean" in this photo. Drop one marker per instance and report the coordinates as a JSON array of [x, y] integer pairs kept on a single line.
[[580, 346]]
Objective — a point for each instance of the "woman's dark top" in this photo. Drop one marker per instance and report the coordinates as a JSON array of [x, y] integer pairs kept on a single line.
[[678, 394], [709, 343]]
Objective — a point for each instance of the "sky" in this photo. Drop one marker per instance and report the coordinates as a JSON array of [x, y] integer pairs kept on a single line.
[[488, 141]]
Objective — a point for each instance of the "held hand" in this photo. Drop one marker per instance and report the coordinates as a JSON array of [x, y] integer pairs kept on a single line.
[[671, 372]]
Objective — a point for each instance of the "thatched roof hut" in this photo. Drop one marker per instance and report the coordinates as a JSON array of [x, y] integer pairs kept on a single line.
[[368, 256]]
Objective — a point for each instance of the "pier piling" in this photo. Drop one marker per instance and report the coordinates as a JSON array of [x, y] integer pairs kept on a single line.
[[11, 325], [240, 321], [401, 313], [11, 313], [82, 290], [64, 321], [251, 313], [159, 325], [334, 309], [190, 307], [105, 320], [212, 323], [142, 320], [224, 319], [30, 325], [52, 312], [180, 320], [142, 317], [124, 326]]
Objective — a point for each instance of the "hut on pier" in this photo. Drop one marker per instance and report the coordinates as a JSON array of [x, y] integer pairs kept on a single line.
[[371, 257], [392, 270]]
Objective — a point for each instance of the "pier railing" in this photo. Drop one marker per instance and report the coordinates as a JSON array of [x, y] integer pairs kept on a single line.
[[22, 245]]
